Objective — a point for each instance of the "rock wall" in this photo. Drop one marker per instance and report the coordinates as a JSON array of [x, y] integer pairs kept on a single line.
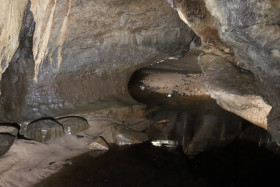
[[78, 55], [249, 34], [11, 14]]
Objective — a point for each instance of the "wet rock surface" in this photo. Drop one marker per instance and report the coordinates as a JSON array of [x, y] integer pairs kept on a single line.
[[44, 130], [235, 90], [246, 34], [73, 124]]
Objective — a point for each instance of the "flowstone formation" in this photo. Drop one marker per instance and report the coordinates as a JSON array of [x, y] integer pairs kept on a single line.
[[241, 40]]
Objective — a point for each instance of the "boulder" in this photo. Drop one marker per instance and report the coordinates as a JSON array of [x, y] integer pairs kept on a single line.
[[235, 90], [43, 130], [73, 124]]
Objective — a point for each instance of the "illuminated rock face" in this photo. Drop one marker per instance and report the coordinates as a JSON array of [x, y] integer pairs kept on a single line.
[[246, 38], [78, 55]]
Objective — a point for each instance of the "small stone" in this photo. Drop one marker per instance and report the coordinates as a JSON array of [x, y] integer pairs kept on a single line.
[[99, 144]]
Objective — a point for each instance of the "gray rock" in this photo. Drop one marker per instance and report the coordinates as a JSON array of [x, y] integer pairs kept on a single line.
[[246, 34], [252, 30], [234, 90]]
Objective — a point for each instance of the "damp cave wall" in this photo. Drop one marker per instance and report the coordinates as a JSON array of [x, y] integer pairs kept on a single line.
[[78, 55]]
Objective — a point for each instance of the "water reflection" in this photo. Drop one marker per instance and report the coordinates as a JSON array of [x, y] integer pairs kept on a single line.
[[197, 126], [196, 123]]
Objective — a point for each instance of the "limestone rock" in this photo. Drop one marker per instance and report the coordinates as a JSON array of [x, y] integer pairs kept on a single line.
[[11, 14], [252, 29], [43, 130], [73, 124], [99, 144], [195, 14], [234, 90], [247, 34]]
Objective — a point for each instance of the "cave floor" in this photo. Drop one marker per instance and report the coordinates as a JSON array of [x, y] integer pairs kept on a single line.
[[241, 163]]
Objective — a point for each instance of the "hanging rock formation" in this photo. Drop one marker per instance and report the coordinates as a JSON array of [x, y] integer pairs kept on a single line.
[[246, 39]]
